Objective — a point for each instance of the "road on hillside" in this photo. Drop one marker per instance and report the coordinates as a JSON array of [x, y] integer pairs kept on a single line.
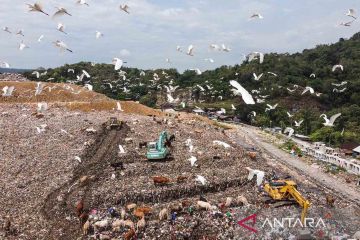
[[317, 175]]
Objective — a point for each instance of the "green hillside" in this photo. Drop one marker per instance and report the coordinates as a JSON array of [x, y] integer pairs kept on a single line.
[[290, 69]]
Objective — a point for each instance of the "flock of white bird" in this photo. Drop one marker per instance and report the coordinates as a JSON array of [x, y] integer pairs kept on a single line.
[[237, 89]]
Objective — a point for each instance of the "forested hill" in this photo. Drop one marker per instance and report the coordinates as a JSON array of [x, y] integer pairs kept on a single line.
[[280, 73]]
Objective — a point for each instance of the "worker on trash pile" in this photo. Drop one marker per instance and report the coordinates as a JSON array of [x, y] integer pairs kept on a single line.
[[173, 218]]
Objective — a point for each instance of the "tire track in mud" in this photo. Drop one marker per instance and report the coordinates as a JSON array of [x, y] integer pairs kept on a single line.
[[94, 161]]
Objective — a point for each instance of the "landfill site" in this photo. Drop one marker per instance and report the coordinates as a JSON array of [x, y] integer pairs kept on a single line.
[[78, 169]]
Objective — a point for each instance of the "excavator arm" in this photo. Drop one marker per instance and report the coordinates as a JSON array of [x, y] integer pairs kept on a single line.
[[305, 204]]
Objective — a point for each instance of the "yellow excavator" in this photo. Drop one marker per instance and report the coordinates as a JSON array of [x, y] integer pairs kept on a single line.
[[282, 190]]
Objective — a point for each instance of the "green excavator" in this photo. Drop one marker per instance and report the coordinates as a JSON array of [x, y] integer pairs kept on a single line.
[[158, 150]]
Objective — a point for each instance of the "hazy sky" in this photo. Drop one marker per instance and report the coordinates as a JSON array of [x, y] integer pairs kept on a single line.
[[150, 33]]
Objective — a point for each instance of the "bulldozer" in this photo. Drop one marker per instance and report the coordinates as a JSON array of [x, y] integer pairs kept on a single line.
[[284, 190], [158, 150], [113, 123]]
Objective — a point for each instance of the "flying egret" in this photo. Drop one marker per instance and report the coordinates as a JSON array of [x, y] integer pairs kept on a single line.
[[118, 63], [289, 114], [225, 48], [82, 2], [233, 107], [259, 175], [307, 89], [209, 60], [62, 46], [313, 75], [257, 78], [351, 13], [248, 99], [61, 28], [338, 66], [21, 33], [197, 71], [330, 122], [36, 73], [22, 46], [190, 50], [256, 15], [290, 131], [60, 12], [255, 55], [298, 124], [98, 34], [270, 107], [6, 29], [125, 8], [40, 38], [36, 7], [4, 65]]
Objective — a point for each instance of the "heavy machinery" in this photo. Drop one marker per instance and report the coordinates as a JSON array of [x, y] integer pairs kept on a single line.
[[282, 190], [113, 123], [158, 150]]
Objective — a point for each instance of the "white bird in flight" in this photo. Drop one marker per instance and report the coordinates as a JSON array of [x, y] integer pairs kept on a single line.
[[290, 131], [298, 124], [4, 64], [60, 12], [270, 107], [338, 66], [255, 55], [22, 46], [6, 29], [307, 89], [118, 63], [330, 122], [198, 71], [246, 96], [62, 46], [125, 8], [225, 48], [40, 38], [259, 175], [209, 60], [233, 107], [256, 15], [82, 2], [61, 28], [289, 114], [36, 7], [36, 73], [21, 33], [351, 13], [257, 78], [313, 75], [190, 50], [98, 34]]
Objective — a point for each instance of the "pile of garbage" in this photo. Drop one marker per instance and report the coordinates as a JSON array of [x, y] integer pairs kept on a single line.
[[12, 77]]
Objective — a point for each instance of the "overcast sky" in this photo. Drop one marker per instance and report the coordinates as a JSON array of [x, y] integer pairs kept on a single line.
[[150, 33]]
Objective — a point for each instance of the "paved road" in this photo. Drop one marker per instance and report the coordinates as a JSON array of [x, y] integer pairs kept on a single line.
[[318, 176]]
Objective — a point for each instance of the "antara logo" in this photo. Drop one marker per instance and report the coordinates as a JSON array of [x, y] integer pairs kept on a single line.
[[282, 222]]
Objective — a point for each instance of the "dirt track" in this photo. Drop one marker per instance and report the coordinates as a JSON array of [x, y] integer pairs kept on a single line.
[[98, 156]]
